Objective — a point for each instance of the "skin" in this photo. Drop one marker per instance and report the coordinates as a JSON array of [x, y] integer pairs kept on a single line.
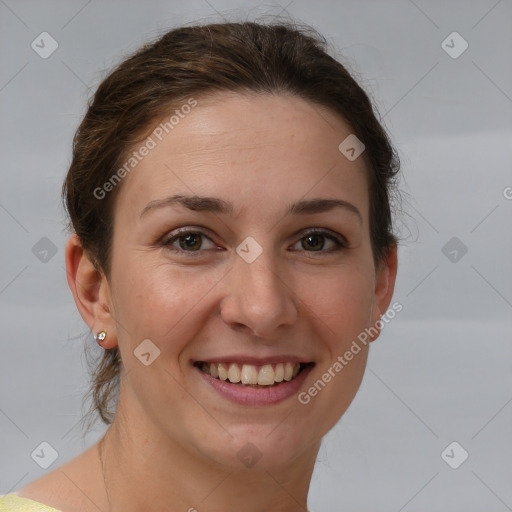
[[262, 153]]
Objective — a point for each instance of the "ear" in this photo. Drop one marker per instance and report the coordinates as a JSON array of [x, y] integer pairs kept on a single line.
[[384, 287], [91, 291]]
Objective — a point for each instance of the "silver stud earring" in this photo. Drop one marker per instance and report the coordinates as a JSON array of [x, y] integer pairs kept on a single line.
[[100, 337]]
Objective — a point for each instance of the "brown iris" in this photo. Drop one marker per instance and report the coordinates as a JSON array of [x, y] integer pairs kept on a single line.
[[313, 242], [190, 241]]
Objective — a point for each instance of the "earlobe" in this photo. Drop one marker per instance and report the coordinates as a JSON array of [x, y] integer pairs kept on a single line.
[[90, 290], [384, 287]]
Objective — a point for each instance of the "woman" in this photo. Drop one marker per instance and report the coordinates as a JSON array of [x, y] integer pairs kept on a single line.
[[233, 253]]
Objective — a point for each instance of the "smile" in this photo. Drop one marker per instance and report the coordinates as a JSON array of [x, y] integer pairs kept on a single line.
[[250, 374]]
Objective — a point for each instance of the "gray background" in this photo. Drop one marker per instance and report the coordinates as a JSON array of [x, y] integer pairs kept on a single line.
[[441, 371]]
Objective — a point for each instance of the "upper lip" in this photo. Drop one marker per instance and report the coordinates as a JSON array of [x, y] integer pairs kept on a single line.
[[256, 361]]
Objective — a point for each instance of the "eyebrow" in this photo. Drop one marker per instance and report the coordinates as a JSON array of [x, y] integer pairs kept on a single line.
[[215, 205], [195, 203], [311, 206]]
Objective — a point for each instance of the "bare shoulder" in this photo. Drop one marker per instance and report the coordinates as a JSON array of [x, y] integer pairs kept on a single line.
[[74, 487]]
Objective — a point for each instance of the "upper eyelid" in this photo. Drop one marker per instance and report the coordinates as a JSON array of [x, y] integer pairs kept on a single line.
[[323, 231], [185, 231], [328, 233]]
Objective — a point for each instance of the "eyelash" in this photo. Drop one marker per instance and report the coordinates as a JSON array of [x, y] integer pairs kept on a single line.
[[167, 242]]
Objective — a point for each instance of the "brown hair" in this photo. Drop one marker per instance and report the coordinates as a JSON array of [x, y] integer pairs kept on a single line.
[[195, 60]]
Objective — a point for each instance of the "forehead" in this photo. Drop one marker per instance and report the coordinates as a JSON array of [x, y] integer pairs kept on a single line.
[[247, 149]]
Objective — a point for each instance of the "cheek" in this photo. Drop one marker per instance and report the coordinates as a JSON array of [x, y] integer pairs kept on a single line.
[[342, 300], [160, 302], [341, 307]]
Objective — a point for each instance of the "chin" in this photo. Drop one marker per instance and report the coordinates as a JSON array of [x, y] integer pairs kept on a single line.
[[265, 446]]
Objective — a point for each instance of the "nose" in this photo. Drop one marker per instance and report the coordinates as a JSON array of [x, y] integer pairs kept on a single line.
[[258, 300]]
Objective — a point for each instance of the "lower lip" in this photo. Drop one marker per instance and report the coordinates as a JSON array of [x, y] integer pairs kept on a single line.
[[267, 395]]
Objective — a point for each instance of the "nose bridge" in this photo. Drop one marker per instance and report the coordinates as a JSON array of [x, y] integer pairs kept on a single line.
[[258, 297], [262, 280]]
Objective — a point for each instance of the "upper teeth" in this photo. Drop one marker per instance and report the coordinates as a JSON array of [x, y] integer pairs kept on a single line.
[[265, 375]]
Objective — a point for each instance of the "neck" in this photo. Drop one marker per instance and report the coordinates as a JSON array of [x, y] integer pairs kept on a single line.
[[145, 470]]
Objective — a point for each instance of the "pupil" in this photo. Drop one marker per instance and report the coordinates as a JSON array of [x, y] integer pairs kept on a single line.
[[190, 241], [314, 242]]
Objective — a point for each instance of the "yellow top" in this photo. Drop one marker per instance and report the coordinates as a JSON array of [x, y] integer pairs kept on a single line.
[[14, 503]]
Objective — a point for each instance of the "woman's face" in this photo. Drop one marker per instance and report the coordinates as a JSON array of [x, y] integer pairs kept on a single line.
[[241, 242]]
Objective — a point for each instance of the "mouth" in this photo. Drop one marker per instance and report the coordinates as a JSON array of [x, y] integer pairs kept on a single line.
[[251, 375]]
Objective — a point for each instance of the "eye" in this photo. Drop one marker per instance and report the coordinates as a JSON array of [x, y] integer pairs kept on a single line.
[[188, 240], [321, 241]]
